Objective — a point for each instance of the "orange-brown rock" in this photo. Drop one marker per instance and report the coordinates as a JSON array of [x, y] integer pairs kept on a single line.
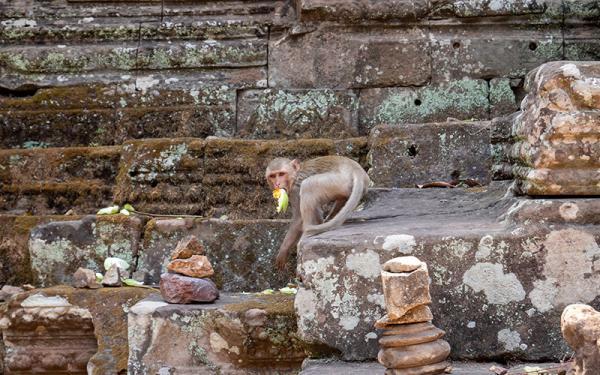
[[580, 326], [195, 266], [404, 291], [187, 247], [417, 315]]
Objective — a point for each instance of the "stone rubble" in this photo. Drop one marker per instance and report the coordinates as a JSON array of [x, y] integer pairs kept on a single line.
[[113, 276], [187, 247], [410, 344], [580, 326], [85, 278]]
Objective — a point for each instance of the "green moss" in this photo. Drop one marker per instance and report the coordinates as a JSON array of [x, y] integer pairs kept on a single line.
[[464, 99]]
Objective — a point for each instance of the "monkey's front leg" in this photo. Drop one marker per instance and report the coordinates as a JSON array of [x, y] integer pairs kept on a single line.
[[291, 238]]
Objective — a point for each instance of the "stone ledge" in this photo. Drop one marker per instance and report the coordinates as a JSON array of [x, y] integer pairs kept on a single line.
[[238, 334], [50, 339], [498, 286]]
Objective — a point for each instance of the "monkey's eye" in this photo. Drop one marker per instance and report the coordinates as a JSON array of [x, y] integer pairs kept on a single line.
[[281, 174]]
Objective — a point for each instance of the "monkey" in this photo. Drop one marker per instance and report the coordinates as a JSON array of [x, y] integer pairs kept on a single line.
[[311, 186]]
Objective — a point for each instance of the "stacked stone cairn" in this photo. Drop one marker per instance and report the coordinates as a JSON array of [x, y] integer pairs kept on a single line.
[[187, 280], [409, 344]]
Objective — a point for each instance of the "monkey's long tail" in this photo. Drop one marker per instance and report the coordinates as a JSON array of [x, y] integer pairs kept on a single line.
[[338, 220]]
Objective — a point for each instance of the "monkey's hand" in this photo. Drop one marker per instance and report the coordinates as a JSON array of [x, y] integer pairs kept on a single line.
[[281, 260]]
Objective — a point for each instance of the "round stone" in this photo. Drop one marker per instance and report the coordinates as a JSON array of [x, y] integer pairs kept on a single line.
[[414, 355]]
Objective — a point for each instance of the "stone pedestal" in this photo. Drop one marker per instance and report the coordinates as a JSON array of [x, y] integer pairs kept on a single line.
[[410, 344]]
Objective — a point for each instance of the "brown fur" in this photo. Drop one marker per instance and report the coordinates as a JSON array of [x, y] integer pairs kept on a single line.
[[311, 186]]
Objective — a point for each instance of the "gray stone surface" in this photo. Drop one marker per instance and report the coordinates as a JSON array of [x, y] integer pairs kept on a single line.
[[409, 154], [320, 58], [238, 334], [336, 367], [497, 286]]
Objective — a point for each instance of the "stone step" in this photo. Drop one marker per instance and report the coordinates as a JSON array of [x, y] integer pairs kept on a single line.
[[62, 330], [220, 176], [502, 269], [48, 252], [210, 177], [336, 367], [238, 334]]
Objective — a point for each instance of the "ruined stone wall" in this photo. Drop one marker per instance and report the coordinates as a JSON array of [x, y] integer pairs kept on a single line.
[[91, 76], [85, 73]]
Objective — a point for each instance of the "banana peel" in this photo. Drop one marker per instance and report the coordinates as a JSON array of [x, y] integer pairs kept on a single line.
[[282, 199]]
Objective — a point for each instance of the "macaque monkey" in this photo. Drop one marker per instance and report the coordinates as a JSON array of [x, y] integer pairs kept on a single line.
[[311, 186]]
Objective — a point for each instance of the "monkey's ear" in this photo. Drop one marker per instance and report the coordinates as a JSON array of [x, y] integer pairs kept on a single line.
[[295, 164]]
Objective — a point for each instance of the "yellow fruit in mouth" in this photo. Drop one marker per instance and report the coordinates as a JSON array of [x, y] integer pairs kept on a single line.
[[282, 199]]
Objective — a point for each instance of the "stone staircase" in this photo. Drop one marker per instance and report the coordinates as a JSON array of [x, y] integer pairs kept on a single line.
[[176, 107]]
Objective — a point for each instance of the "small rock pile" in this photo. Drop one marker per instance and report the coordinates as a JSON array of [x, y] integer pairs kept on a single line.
[[186, 281], [410, 344]]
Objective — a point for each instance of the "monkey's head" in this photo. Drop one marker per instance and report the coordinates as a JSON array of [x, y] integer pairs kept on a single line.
[[281, 173]]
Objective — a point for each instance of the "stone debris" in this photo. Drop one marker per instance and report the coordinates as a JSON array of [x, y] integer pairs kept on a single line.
[[410, 344], [8, 290], [113, 276], [85, 278], [176, 288], [187, 247], [196, 266], [580, 326]]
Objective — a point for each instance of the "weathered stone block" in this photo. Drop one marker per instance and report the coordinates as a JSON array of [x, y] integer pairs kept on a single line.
[[467, 9], [582, 43], [409, 154], [502, 98], [59, 116], [238, 334], [241, 252], [214, 176], [558, 152], [472, 51], [511, 281], [297, 114], [66, 329], [463, 100], [58, 249], [49, 181], [15, 262], [342, 57], [359, 11]]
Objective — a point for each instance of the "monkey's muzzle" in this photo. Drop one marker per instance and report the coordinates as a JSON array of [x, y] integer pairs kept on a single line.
[[282, 199]]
